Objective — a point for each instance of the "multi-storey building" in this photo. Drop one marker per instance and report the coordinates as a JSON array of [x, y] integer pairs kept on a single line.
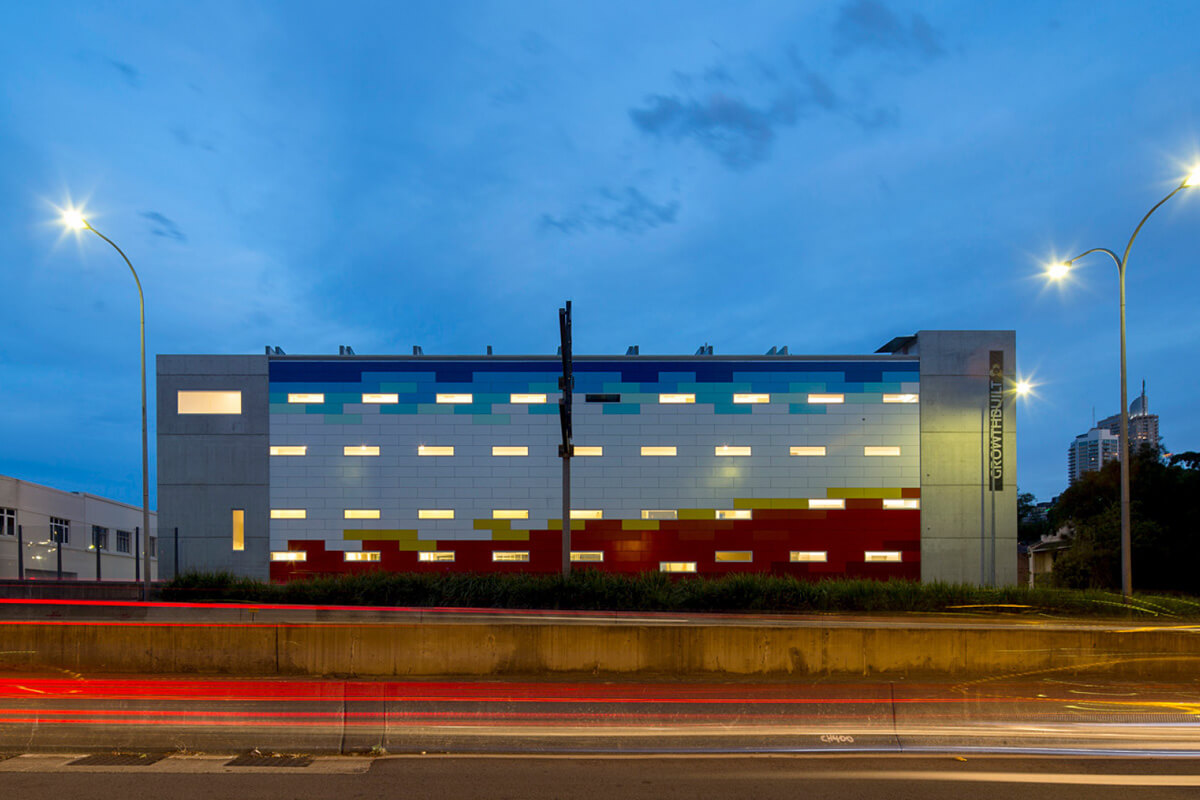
[[47, 534], [1143, 426], [814, 466], [1091, 451]]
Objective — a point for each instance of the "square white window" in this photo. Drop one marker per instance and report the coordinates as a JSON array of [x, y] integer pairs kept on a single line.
[[826, 398]]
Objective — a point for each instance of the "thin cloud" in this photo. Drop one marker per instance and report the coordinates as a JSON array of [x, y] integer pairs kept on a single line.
[[628, 211], [163, 226], [870, 25], [128, 72]]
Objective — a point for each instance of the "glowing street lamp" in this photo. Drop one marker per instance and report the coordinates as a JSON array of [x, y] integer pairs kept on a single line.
[[1058, 271], [75, 220]]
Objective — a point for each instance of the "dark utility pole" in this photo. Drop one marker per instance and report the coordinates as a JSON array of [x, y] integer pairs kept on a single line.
[[566, 385]]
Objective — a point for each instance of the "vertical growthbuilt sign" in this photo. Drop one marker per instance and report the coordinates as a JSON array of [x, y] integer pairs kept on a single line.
[[995, 432]]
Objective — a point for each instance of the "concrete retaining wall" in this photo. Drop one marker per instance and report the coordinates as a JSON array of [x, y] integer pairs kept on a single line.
[[426, 649]]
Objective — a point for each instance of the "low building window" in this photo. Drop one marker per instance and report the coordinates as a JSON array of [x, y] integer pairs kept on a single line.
[[123, 538], [99, 537], [8, 521], [60, 530]]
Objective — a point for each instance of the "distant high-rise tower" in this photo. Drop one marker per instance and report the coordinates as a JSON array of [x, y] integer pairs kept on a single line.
[[1143, 426], [1091, 451]]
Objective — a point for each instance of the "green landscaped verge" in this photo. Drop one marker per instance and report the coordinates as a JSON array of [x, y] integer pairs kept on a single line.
[[592, 590]]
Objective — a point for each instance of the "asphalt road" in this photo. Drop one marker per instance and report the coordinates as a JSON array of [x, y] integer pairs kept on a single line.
[[1050, 714], [628, 778]]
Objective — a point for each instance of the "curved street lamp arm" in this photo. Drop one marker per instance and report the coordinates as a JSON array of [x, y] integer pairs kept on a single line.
[[141, 299], [1138, 229], [1104, 250]]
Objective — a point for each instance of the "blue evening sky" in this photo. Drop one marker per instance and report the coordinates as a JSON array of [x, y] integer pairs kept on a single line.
[[752, 174]]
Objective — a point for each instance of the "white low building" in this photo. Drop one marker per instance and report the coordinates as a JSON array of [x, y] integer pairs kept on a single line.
[[47, 533]]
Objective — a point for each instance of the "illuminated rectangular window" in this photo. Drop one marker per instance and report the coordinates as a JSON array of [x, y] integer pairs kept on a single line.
[[677, 566], [826, 502], [587, 555], [661, 513], [306, 397], [731, 450], [881, 451], [671, 399], [735, 513], [360, 450], [289, 555], [361, 513], [435, 555], [752, 398], [588, 451], [740, 556], [510, 513], [360, 555], [510, 450], [827, 398], [455, 398], [239, 529], [431, 450], [807, 450], [532, 399], [808, 555], [901, 503], [882, 555], [901, 398], [289, 513], [586, 513], [659, 451], [289, 450], [209, 402], [383, 399], [510, 555], [435, 513]]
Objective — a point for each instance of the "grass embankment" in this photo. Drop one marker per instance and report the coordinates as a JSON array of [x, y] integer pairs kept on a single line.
[[592, 590]]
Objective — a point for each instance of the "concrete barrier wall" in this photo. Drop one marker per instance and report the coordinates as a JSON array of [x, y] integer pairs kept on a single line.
[[426, 649]]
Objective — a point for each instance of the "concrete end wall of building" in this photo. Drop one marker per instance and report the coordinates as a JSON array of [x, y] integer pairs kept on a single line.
[[210, 465], [962, 522]]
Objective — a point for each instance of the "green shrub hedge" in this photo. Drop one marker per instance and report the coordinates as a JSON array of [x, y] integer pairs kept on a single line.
[[592, 590]]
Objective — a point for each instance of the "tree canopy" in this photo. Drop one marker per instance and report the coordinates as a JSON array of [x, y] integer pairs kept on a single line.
[[1165, 525]]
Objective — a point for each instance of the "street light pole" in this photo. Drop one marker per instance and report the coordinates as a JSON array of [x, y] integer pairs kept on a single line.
[[76, 220], [1060, 270]]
